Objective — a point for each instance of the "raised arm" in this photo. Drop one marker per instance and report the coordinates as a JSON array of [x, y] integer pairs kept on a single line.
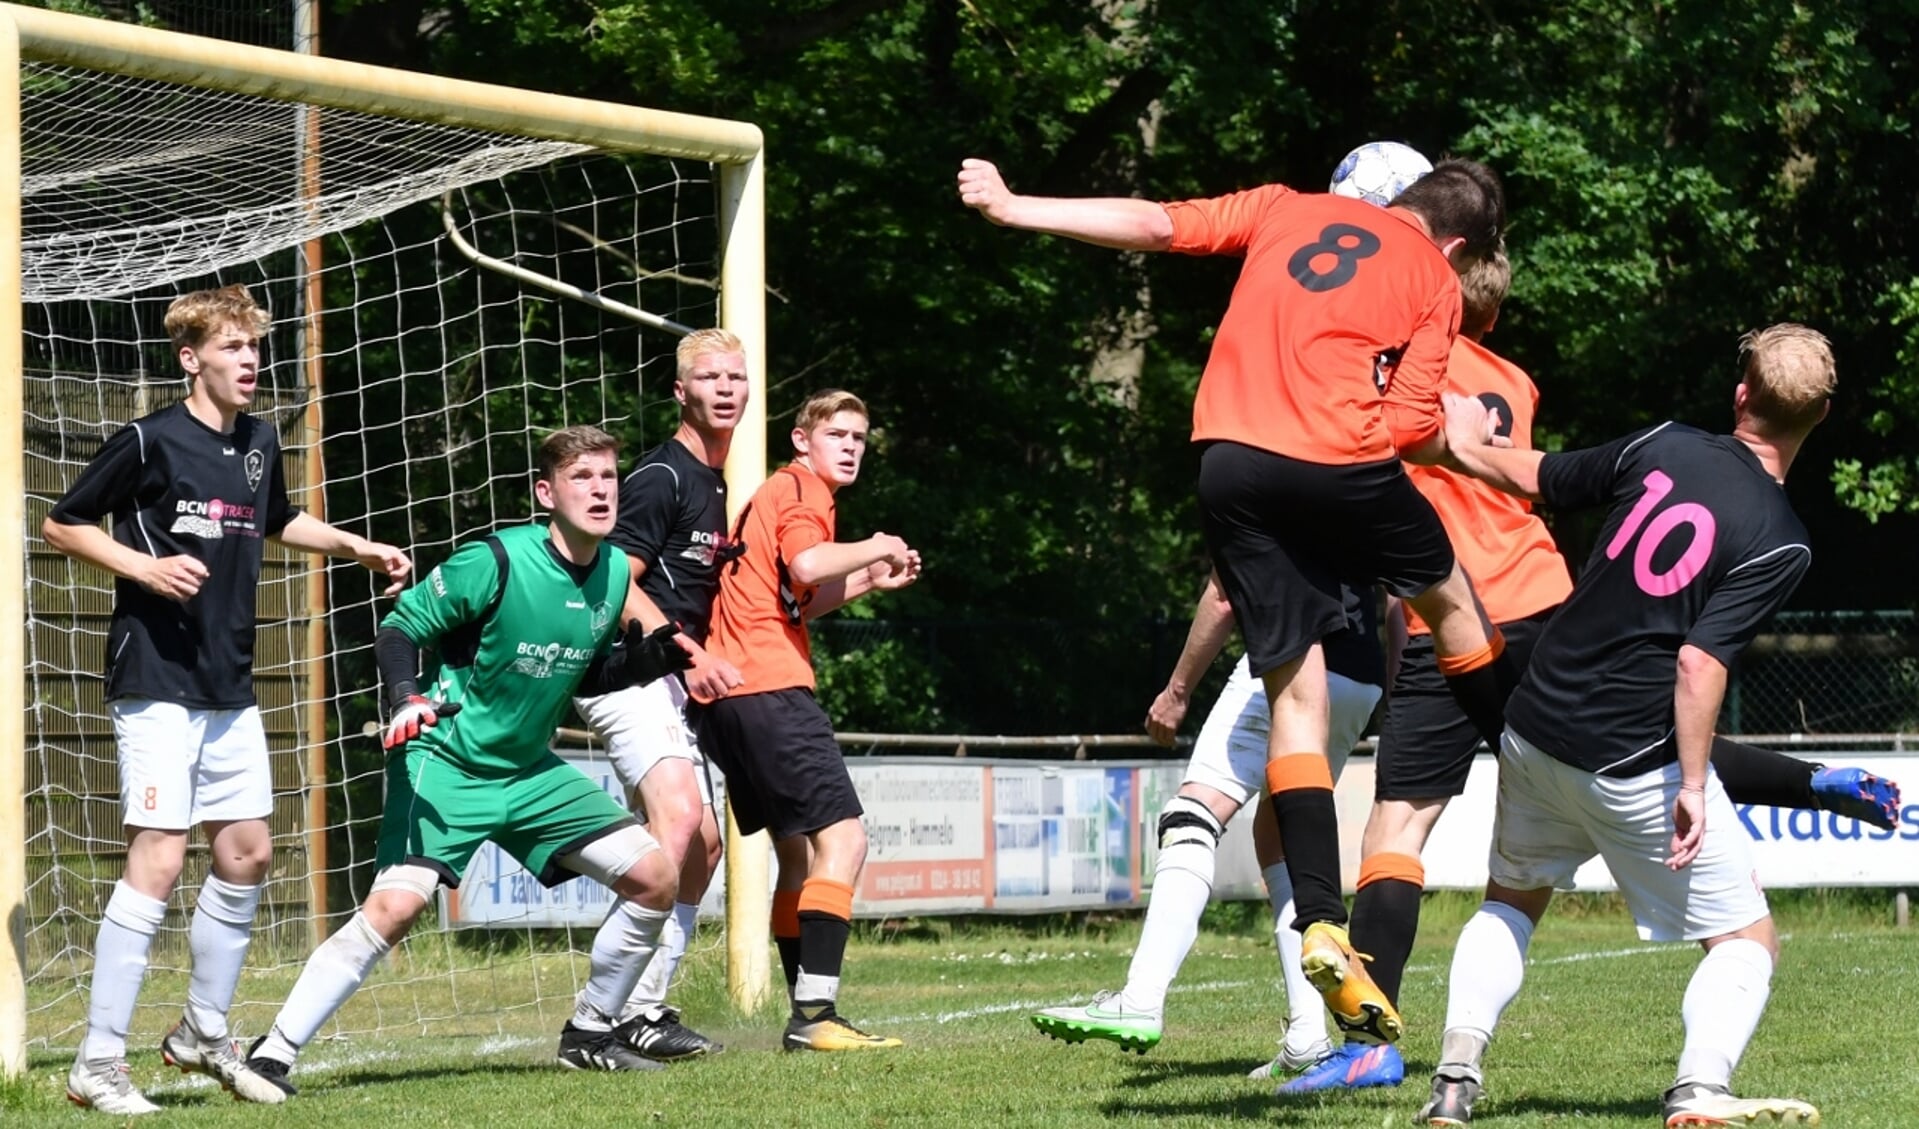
[[1119, 222]]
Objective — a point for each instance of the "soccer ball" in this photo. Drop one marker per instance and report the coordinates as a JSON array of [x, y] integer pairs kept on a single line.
[[1378, 171]]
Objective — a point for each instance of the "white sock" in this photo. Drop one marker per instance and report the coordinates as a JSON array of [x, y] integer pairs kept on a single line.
[[621, 950], [119, 965], [658, 977], [1489, 965], [1724, 1001], [222, 926], [332, 974], [1182, 885], [1305, 1009]]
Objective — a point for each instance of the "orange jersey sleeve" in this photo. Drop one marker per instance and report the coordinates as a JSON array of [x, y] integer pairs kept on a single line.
[[1503, 546], [759, 617], [1335, 344]]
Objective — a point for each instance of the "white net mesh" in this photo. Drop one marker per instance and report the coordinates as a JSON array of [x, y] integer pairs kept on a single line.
[[435, 381]]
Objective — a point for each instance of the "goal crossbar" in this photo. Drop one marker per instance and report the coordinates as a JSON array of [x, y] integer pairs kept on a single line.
[[41, 36]]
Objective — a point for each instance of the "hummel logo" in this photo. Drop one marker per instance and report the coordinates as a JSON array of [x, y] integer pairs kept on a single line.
[[576, 604], [226, 450]]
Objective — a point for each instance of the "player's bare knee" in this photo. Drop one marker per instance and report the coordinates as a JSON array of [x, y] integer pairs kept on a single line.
[[241, 852], [1400, 826], [1762, 932], [154, 861], [399, 896], [839, 851]]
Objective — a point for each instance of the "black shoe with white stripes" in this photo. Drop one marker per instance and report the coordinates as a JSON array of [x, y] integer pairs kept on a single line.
[[581, 1049], [658, 1034]]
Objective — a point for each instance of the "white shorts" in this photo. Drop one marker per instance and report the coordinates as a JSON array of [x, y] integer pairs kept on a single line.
[[181, 767], [1230, 754], [642, 726], [1552, 817]]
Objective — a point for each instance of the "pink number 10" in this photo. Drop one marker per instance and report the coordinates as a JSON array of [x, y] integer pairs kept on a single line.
[[1689, 564]]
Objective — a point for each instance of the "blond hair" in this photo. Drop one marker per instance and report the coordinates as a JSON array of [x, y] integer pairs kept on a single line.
[[192, 318], [1789, 375], [824, 405], [559, 449], [700, 342], [1483, 285]]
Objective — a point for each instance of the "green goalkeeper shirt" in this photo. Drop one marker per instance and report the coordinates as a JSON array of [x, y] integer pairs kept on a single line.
[[513, 672]]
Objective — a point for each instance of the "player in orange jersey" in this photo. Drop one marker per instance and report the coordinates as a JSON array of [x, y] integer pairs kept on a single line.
[[1427, 745], [1327, 369], [784, 770]]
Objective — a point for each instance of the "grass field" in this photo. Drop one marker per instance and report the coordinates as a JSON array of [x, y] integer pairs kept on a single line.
[[1590, 1043]]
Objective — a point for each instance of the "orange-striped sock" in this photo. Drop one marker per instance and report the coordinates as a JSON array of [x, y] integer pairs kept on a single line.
[[1302, 796], [1386, 916]]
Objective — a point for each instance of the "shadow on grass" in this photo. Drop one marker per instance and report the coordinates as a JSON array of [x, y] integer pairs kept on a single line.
[[400, 1072]]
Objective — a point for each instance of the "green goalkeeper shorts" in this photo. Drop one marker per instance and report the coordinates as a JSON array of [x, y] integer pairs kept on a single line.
[[437, 815]]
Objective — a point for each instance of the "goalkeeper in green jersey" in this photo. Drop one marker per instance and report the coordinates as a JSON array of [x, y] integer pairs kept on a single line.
[[521, 622]]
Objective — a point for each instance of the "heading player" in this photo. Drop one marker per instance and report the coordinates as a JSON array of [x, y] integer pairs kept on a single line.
[[1699, 548], [672, 528], [192, 490], [1327, 368], [520, 621], [784, 770]]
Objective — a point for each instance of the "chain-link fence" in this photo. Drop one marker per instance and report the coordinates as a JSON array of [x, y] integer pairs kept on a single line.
[[1810, 673]]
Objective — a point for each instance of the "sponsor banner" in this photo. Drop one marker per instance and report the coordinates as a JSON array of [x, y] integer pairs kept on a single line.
[[926, 832], [1790, 848], [978, 835]]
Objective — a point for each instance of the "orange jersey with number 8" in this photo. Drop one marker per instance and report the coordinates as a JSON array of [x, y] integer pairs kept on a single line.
[[1334, 346]]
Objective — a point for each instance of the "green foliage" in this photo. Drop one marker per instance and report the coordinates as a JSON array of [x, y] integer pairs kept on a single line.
[[1678, 174]]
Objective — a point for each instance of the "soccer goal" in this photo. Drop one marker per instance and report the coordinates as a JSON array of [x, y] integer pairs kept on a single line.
[[453, 269]]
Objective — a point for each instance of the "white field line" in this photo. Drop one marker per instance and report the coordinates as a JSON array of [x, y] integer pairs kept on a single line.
[[985, 1010]]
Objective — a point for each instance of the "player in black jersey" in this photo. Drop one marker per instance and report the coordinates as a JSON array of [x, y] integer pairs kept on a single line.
[[673, 529], [192, 490], [1609, 735]]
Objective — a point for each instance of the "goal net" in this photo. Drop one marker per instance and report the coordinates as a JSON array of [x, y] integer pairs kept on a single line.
[[443, 296]]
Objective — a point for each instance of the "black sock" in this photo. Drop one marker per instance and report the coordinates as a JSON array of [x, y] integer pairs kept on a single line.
[[1761, 776], [822, 951], [1309, 834], [789, 961], [1385, 922]]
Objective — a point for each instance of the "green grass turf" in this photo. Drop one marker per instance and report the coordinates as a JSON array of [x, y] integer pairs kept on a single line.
[[1591, 1042]]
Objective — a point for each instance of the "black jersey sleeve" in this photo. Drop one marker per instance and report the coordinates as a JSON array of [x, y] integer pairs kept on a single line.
[[649, 499], [279, 510], [1746, 599], [112, 478], [1577, 480]]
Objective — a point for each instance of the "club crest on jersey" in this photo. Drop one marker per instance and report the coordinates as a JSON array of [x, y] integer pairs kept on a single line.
[[602, 615], [256, 467]]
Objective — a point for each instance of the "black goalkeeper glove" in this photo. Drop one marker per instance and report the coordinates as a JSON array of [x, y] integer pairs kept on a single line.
[[652, 655]]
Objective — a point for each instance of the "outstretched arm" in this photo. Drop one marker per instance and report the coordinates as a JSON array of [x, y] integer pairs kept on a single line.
[[309, 534], [1119, 222], [1470, 441]]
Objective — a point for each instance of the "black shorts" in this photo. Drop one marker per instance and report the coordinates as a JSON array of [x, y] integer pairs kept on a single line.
[[1284, 533], [1426, 743], [784, 769]]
